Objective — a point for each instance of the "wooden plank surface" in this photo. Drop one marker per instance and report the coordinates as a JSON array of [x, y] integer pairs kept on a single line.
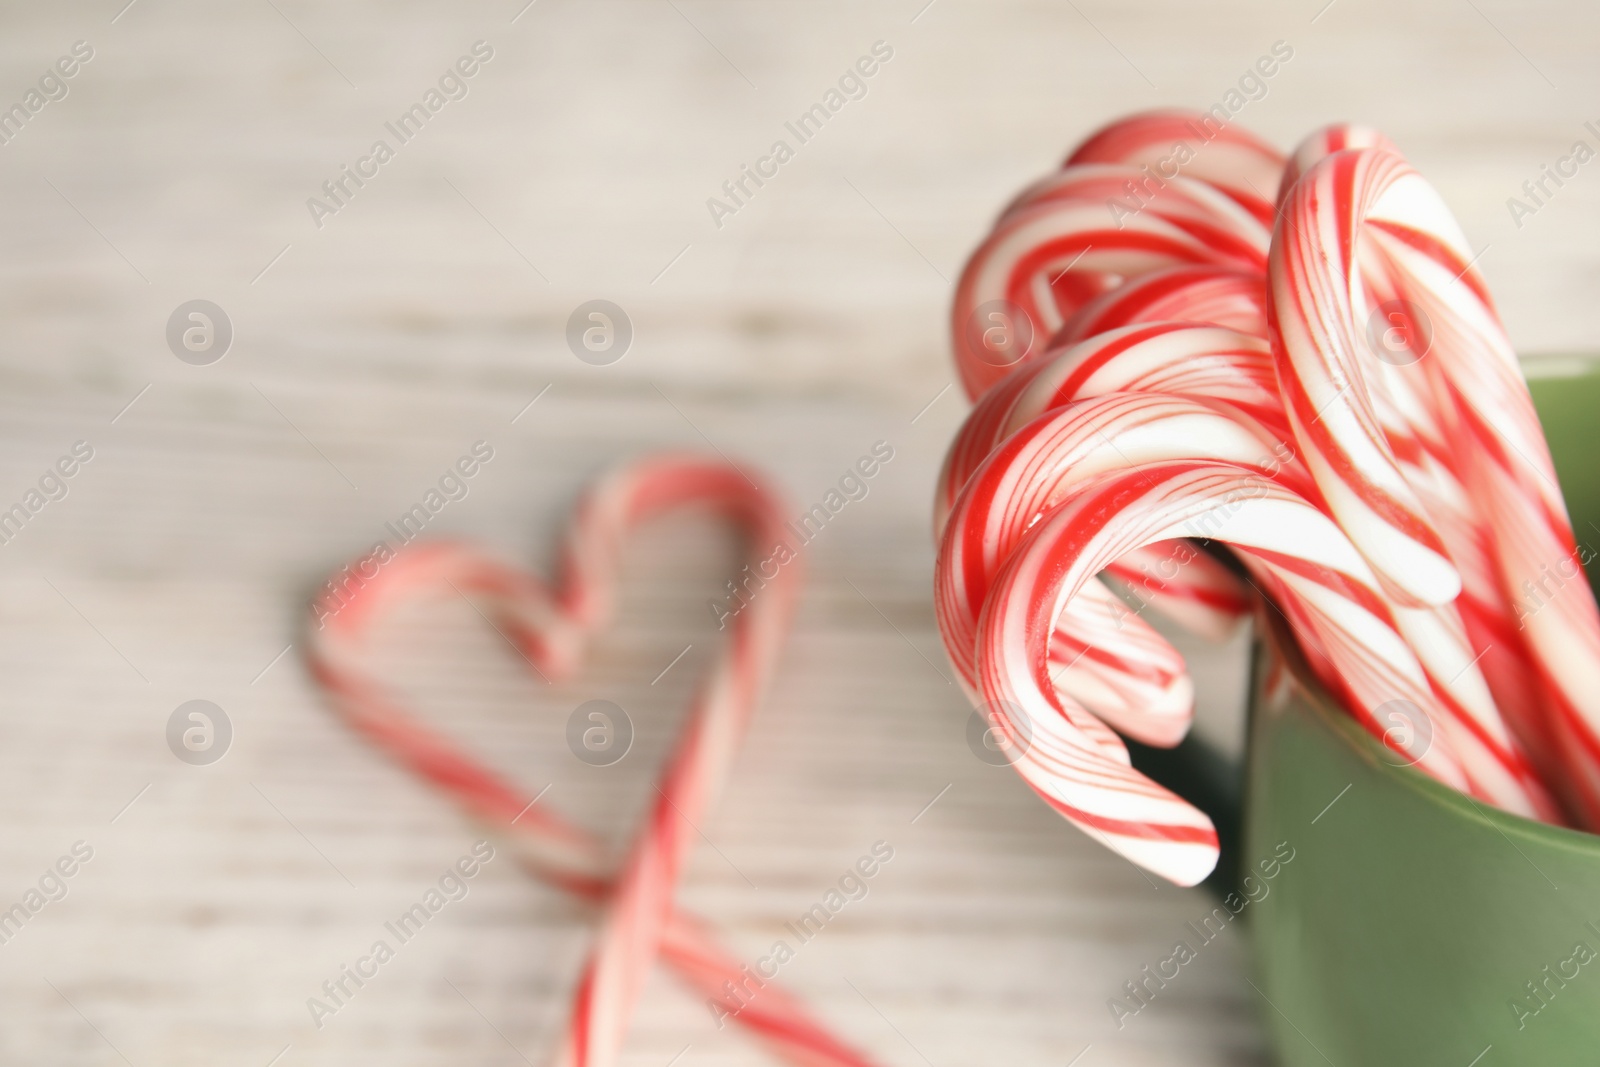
[[423, 316]]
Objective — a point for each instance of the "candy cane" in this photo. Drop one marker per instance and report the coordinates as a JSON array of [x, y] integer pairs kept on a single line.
[[1511, 488], [1180, 359], [1313, 309], [549, 626], [1047, 259], [1075, 770], [1037, 465], [1371, 445], [1174, 358], [1496, 446], [1226, 156]]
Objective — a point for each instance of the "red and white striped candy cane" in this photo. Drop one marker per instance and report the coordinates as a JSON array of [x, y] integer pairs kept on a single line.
[[1060, 754], [1371, 445], [549, 625], [1497, 451], [1316, 322], [1036, 466], [1048, 258], [1487, 470], [1126, 674], [1229, 157], [1173, 358], [1181, 359]]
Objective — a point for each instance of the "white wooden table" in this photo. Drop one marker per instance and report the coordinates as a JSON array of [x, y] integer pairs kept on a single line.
[[423, 316]]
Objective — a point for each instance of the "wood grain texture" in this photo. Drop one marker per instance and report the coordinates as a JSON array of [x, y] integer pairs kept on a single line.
[[423, 317]]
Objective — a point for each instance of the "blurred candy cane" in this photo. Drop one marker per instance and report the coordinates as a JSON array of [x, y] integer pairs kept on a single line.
[[1232, 159], [549, 626]]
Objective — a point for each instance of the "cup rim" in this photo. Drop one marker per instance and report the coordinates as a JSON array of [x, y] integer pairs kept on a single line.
[[1548, 365], [1451, 801]]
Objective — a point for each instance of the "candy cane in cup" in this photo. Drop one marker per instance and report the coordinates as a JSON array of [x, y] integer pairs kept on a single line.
[[1047, 259], [1071, 764], [1228, 157], [1026, 476], [1496, 450], [1180, 359], [1373, 444], [1039, 464], [1505, 468], [1313, 308]]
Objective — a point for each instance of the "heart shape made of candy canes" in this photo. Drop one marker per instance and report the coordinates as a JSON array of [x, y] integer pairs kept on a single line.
[[549, 624]]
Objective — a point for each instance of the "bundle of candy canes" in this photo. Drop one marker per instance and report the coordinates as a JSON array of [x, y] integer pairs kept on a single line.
[[549, 625], [1182, 341]]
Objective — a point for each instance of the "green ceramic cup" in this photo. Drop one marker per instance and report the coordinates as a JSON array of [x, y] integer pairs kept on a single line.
[[1413, 926]]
